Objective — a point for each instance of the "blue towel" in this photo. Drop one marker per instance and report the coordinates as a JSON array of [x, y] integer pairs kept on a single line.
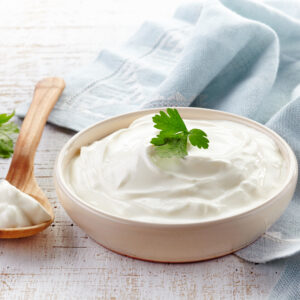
[[239, 56]]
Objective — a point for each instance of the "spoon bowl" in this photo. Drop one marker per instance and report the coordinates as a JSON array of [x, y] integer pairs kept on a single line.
[[21, 171]]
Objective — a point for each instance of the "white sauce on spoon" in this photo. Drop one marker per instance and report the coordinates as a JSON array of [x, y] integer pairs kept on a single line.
[[122, 176], [18, 209]]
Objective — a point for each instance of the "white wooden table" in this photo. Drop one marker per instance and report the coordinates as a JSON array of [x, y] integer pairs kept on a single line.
[[52, 37]]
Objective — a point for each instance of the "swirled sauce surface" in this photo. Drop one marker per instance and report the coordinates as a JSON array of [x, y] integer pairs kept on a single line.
[[121, 174]]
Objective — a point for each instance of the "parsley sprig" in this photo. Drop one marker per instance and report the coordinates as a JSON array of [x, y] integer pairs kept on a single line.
[[7, 133], [173, 136]]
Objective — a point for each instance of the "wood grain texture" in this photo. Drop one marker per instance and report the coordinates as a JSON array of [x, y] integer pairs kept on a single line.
[[21, 171], [50, 38]]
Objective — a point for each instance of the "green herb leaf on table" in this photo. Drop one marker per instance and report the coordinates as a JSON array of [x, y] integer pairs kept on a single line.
[[6, 117], [7, 135], [172, 139]]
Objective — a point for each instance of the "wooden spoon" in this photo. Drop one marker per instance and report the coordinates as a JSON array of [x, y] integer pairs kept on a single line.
[[20, 173]]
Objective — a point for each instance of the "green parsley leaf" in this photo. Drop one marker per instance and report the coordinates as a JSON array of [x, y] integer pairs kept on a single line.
[[172, 138], [6, 117], [173, 147], [7, 135], [171, 123], [198, 138], [162, 137]]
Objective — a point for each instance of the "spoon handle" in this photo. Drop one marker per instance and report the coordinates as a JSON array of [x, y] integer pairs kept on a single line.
[[46, 94]]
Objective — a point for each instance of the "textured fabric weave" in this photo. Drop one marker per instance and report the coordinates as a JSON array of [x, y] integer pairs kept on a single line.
[[234, 55]]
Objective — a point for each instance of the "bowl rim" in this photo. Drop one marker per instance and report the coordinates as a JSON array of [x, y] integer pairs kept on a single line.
[[291, 178]]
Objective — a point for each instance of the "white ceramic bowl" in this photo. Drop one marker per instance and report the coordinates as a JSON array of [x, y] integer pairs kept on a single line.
[[172, 242]]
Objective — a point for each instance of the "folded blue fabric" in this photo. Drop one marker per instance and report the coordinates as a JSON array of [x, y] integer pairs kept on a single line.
[[239, 56]]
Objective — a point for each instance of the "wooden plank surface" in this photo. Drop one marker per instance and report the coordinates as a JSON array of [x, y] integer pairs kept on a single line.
[[51, 38]]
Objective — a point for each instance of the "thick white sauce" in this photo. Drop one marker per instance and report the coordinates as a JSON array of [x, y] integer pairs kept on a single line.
[[18, 209], [121, 174]]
